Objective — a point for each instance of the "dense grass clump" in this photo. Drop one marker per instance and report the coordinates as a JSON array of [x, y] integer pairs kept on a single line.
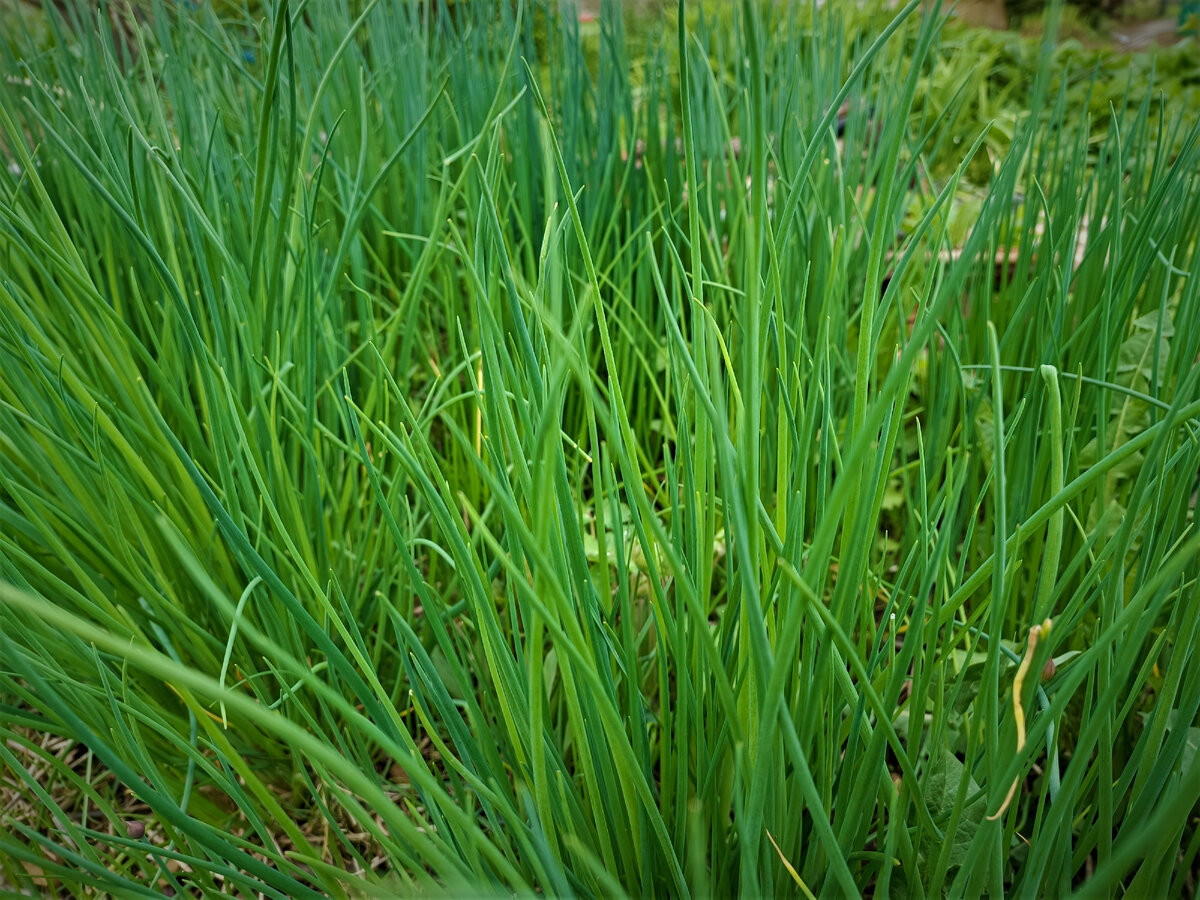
[[453, 447]]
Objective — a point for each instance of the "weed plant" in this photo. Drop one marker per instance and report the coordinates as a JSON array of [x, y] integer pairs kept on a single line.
[[451, 448]]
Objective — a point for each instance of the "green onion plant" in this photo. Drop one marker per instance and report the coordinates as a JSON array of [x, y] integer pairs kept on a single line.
[[473, 448]]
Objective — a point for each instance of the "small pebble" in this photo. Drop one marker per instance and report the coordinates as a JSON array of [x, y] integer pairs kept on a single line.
[[136, 829]]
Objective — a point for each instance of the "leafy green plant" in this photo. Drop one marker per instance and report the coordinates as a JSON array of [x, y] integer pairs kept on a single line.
[[443, 449]]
